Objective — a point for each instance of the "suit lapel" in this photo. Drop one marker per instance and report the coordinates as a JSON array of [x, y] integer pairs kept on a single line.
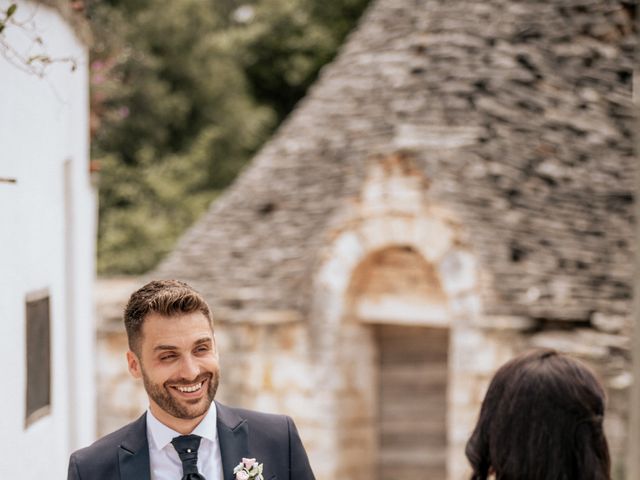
[[133, 454], [233, 436]]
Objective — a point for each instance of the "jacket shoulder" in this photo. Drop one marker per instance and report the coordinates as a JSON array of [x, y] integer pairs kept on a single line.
[[257, 419], [105, 449]]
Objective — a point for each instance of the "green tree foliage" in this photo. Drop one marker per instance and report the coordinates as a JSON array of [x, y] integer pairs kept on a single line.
[[183, 94], [288, 43]]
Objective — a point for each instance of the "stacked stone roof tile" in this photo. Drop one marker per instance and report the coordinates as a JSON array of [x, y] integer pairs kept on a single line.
[[517, 112]]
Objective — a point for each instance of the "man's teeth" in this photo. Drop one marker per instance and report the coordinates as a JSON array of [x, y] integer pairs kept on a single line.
[[193, 388]]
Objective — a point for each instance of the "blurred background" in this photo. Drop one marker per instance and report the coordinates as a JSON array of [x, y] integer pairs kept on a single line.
[[382, 201]]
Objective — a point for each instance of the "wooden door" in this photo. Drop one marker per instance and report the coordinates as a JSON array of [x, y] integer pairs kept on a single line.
[[412, 402]]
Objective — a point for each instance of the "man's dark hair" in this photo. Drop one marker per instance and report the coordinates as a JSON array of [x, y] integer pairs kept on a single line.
[[165, 297], [541, 419]]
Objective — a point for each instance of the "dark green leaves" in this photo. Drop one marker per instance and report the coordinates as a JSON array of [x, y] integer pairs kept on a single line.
[[183, 94]]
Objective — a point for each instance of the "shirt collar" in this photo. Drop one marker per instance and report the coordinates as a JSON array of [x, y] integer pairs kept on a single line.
[[160, 435]]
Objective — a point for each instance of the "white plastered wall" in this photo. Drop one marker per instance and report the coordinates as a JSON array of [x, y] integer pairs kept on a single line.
[[47, 237]]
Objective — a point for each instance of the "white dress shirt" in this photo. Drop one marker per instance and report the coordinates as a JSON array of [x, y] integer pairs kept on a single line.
[[164, 460]]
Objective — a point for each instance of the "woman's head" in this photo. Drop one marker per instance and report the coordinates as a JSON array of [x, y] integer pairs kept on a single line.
[[541, 419]]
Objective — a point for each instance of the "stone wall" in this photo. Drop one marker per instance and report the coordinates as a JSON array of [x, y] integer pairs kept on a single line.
[[326, 380], [120, 399]]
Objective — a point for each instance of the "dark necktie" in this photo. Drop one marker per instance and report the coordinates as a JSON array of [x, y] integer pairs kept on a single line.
[[187, 448]]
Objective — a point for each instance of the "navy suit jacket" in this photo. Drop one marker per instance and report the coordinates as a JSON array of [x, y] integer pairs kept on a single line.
[[271, 439]]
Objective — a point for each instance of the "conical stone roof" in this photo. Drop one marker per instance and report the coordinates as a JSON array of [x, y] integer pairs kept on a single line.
[[517, 111]]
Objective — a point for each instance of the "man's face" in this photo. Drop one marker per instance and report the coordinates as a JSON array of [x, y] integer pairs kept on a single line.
[[178, 363]]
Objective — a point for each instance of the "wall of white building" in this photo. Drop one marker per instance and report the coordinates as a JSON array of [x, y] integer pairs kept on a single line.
[[47, 236]]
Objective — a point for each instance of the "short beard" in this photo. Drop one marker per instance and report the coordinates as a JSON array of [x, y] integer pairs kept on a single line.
[[161, 395]]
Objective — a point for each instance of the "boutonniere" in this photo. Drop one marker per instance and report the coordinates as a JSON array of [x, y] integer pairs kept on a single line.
[[248, 469]]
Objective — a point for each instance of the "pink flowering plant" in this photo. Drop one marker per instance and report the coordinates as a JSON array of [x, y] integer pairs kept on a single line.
[[248, 469]]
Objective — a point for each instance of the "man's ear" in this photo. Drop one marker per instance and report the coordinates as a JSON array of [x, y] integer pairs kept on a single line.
[[133, 362]]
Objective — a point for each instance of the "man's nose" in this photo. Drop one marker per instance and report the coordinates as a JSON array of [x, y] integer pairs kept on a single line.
[[189, 368]]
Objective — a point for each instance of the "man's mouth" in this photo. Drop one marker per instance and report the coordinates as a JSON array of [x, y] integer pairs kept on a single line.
[[190, 388]]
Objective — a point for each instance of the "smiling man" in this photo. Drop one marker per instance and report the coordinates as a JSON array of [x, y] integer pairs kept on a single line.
[[185, 434]]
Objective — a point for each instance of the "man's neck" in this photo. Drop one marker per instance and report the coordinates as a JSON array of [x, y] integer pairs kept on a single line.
[[183, 426]]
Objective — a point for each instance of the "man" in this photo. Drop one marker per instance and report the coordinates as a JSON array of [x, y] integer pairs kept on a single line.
[[185, 434]]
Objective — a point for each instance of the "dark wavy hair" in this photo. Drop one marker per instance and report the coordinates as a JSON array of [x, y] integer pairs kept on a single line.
[[541, 419]]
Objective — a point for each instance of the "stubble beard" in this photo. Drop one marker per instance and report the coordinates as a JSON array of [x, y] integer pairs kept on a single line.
[[161, 395]]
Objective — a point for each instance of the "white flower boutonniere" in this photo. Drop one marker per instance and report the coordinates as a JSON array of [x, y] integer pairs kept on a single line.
[[248, 469]]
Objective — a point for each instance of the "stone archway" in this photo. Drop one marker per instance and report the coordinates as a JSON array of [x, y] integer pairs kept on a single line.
[[400, 295], [396, 285], [393, 215]]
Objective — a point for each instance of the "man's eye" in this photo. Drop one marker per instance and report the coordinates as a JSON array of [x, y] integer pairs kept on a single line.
[[167, 357], [203, 349]]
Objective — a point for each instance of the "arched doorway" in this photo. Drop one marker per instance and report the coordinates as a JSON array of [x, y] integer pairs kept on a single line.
[[399, 294], [394, 259]]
